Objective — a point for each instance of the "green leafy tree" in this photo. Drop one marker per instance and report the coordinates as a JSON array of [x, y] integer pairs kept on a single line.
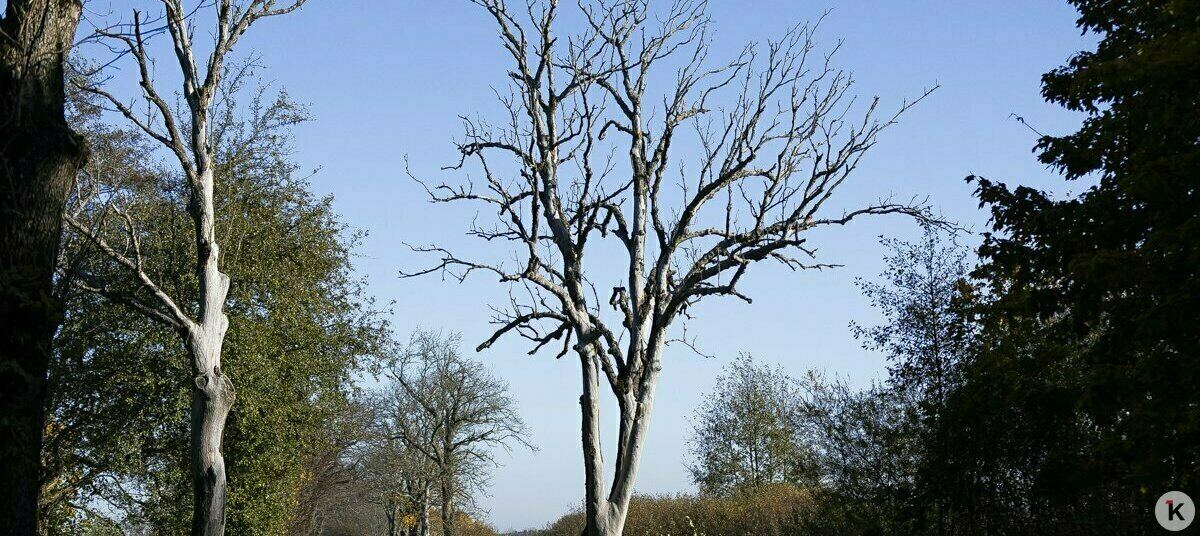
[[927, 334], [744, 434], [1092, 335], [923, 295], [868, 452], [300, 325]]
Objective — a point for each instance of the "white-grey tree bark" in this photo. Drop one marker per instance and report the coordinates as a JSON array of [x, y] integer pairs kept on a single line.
[[188, 135], [590, 153]]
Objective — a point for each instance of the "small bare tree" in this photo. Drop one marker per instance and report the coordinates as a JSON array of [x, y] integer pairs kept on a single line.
[[334, 468], [775, 137], [188, 135], [401, 478], [453, 412]]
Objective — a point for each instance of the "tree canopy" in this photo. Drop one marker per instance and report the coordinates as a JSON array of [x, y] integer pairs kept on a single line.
[[746, 433], [302, 326], [1097, 295]]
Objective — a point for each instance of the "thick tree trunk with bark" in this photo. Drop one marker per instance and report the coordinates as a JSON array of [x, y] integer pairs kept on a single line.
[[212, 397], [39, 156]]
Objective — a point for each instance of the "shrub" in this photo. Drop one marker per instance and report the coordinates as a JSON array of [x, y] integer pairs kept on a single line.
[[771, 510]]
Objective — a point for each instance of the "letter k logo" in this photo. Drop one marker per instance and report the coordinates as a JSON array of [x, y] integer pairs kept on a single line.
[[1174, 510]]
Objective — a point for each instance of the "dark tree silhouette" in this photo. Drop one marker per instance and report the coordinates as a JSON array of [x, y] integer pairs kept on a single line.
[[1092, 342], [39, 156]]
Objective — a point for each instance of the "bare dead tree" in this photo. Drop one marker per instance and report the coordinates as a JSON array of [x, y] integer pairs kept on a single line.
[[334, 469], [777, 133], [188, 135], [402, 477], [453, 412], [39, 155]]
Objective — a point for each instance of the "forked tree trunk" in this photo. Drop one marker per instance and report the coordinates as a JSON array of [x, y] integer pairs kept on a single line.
[[39, 156], [606, 514]]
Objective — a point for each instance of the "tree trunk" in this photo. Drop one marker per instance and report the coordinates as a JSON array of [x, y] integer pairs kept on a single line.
[[605, 516], [39, 156], [212, 397], [447, 493], [213, 393], [393, 516], [423, 514], [635, 417], [596, 510]]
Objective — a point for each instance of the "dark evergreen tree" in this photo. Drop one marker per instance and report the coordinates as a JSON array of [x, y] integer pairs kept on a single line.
[[1086, 385]]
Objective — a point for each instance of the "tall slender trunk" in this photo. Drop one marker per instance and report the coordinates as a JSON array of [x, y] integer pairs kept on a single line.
[[423, 514], [393, 514], [212, 393], [39, 156], [447, 493], [596, 510]]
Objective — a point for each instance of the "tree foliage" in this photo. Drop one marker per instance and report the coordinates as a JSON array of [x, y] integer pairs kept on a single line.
[[1091, 337], [301, 326], [923, 294], [745, 434], [873, 459]]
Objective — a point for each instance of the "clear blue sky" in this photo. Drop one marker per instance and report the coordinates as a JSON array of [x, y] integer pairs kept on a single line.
[[385, 79]]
